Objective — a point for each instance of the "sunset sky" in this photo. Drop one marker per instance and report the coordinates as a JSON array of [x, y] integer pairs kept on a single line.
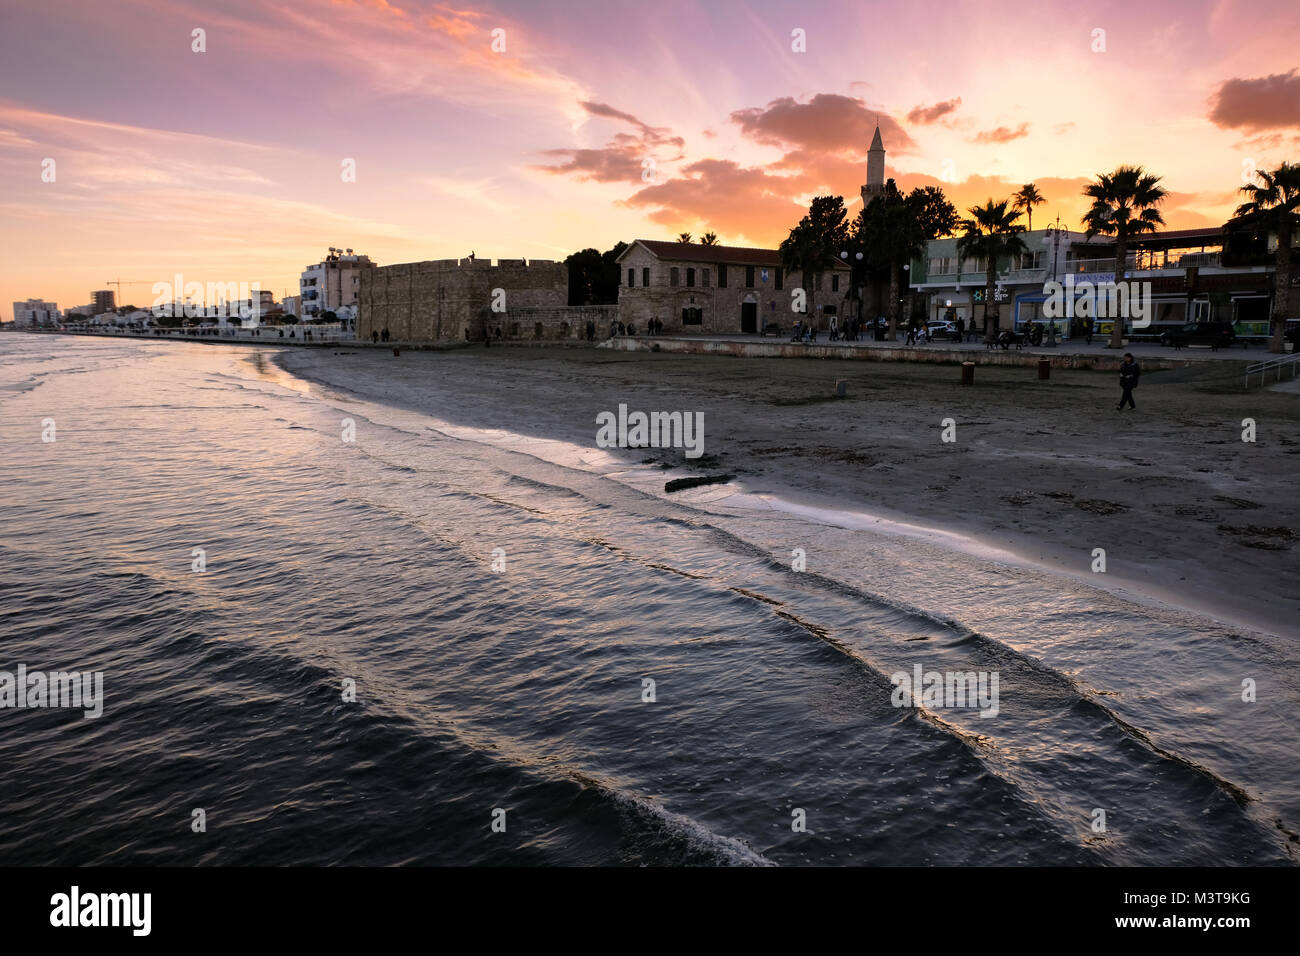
[[226, 165]]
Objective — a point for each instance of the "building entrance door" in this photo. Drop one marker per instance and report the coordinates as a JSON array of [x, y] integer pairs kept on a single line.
[[749, 317]]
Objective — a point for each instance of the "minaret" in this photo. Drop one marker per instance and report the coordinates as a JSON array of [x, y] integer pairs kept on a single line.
[[875, 168]]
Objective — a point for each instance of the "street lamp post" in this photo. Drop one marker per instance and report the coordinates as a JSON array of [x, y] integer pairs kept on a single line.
[[1056, 235], [853, 267]]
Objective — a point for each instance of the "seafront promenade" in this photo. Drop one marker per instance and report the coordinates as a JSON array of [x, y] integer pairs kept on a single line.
[[1068, 353]]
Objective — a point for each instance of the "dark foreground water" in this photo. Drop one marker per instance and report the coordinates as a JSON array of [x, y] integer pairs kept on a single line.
[[522, 689]]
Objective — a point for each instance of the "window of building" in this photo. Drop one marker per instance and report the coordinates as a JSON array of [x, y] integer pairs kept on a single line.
[[722, 275], [835, 282], [645, 275], [690, 278], [704, 278], [749, 277], [780, 278], [673, 276], [631, 278], [692, 316]]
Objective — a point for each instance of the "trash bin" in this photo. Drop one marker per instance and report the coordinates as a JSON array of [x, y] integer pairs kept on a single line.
[[396, 350], [1044, 369], [968, 373]]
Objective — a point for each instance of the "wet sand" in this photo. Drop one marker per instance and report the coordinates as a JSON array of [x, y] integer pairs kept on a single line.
[[1186, 511]]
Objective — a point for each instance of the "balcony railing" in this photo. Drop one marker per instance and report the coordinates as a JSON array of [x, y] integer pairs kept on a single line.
[[1146, 262]]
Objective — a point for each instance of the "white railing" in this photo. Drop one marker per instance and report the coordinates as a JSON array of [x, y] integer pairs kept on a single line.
[[1276, 366]]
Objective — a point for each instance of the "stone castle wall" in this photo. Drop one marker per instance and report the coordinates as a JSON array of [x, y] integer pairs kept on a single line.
[[450, 300], [553, 323]]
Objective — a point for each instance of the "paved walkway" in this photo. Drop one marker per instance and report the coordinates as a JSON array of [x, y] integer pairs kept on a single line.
[[1253, 353]]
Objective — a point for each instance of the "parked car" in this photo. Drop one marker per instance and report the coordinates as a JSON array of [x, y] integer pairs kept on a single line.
[[941, 330], [1216, 335]]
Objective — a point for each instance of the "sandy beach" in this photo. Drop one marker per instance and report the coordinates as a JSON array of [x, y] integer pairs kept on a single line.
[[1186, 511]]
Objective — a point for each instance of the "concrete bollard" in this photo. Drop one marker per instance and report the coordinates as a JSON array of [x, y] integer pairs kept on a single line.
[[841, 387], [968, 373], [1044, 369]]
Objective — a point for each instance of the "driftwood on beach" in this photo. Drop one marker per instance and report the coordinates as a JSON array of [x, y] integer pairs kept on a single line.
[[680, 484]]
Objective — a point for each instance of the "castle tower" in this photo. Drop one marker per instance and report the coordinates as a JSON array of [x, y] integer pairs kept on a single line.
[[875, 169]]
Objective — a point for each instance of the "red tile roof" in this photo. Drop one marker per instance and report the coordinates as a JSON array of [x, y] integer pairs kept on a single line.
[[694, 252]]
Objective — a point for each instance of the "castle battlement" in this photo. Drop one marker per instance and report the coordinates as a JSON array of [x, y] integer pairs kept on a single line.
[[451, 300]]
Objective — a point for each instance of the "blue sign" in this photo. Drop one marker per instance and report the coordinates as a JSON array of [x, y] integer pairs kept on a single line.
[[763, 273]]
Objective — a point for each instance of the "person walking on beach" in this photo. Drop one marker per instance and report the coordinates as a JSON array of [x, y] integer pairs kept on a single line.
[[1128, 380]]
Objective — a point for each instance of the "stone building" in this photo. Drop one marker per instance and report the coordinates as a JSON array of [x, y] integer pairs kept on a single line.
[[711, 289], [457, 300]]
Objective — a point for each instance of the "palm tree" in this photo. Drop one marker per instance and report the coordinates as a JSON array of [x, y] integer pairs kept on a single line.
[[1123, 205], [709, 239], [1273, 207], [992, 232], [1027, 199], [683, 237]]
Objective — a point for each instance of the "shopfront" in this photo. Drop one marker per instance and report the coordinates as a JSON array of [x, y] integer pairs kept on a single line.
[[950, 306]]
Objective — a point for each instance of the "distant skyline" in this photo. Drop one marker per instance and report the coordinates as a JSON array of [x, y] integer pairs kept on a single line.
[[226, 165]]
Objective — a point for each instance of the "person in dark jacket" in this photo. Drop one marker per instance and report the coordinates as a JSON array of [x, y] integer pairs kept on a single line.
[[1128, 380]]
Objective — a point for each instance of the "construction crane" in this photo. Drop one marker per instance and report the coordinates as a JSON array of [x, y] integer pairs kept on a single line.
[[119, 283]]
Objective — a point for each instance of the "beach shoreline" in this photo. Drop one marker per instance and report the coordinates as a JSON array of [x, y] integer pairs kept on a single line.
[[1046, 472]]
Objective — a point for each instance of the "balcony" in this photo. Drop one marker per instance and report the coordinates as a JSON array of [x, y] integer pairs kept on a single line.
[[1146, 262]]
